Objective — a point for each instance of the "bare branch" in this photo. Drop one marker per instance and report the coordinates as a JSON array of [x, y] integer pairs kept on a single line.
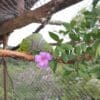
[[28, 57], [9, 53]]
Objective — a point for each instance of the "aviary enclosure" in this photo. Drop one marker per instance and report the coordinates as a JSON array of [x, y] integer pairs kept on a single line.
[[38, 70]]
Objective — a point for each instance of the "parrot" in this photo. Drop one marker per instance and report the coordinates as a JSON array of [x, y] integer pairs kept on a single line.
[[34, 44]]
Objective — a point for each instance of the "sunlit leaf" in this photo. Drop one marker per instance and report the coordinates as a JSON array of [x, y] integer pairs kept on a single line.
[[54, 36], [66, 25]]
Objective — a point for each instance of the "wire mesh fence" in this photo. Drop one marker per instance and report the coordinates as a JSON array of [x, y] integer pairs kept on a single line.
[[27, 82]]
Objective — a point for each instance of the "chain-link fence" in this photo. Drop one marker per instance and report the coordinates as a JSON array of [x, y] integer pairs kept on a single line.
[[27, 82]]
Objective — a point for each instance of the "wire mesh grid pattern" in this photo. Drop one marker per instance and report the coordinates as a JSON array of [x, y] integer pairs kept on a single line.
[[27, 82]]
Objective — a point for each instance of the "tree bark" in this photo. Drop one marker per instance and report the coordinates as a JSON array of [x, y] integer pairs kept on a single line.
[[34, 16], [29, 57]]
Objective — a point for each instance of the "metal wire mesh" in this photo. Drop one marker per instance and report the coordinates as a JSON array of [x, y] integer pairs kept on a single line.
[[27, 82]]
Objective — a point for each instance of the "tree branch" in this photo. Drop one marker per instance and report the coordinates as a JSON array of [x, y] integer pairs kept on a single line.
[[9, 53], [34, 16], [28, 57]]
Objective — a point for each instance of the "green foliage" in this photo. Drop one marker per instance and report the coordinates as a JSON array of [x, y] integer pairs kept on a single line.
[[29, 82], [95, 3], [54, 36], [53, 65], [98, 51], [80, 57]]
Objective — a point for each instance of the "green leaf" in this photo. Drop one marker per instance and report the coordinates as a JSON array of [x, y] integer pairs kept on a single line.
[[68, 70], [56, 52], [87, 38], [63, 32], [67, 46], [54, 36], [53, 65], [95, 33], [64, 57], [78, 50], [66, 25], [98, 51], [90, 50], [73, 23], [83, 47], [60, 41], [71, 56], [95, 2], [94, 69], [74, 37]]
